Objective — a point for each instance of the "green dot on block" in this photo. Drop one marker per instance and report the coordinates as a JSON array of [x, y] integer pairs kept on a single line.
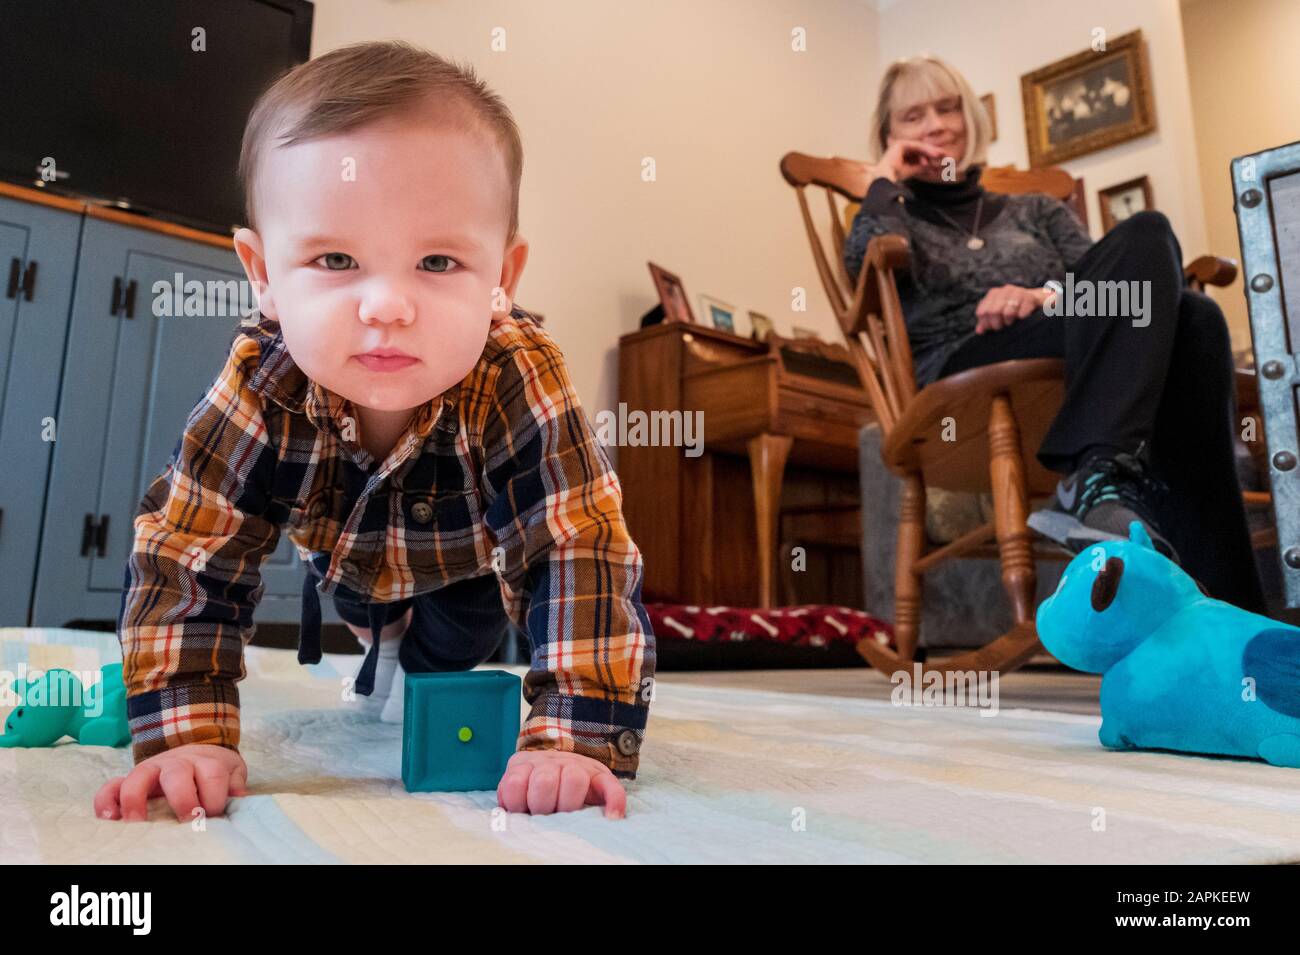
[[465, 734]]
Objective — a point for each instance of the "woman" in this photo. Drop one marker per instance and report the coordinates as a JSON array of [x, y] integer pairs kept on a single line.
[[1146, 428]]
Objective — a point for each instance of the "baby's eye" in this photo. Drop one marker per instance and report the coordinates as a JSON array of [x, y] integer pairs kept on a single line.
[[437, 263], [336, 261]]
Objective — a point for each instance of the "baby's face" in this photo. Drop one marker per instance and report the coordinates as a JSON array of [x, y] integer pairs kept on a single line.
[[389, 236]]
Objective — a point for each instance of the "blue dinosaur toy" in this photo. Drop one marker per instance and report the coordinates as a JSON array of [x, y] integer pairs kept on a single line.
[[56, 704], [1182, 671]]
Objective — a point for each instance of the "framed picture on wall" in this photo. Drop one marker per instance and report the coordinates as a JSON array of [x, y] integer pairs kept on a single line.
[[672, 295], [760, 326], [1121, 201], [1089, 101]]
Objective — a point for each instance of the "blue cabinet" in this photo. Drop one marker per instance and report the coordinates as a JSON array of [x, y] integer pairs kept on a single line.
[[38, 256], [101, 380]]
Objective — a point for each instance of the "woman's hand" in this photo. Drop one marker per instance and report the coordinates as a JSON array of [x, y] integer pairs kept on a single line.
[[905, 158], [1007, 304]]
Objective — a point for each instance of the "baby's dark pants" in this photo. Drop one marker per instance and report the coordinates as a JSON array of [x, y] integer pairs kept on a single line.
[[455, 628]]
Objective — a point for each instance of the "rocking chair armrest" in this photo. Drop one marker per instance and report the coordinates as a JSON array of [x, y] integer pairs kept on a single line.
[[1211, 270], [889, 251], [884, 254]]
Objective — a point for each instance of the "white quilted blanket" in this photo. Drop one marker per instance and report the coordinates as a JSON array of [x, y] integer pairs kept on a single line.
[[726, 776]]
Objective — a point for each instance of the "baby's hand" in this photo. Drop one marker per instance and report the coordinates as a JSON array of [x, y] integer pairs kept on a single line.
[[543, 781], [191, 776]]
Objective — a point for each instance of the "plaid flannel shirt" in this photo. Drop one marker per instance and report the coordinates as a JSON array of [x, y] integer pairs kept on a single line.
[[501, 474]]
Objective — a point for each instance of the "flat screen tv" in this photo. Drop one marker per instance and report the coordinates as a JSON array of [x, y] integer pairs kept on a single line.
[[133, 104]]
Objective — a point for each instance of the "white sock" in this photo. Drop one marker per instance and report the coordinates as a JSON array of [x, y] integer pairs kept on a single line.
[[373, 705], [395, 706]]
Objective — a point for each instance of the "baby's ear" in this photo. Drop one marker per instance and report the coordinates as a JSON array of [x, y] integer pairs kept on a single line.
[[1137, 534]]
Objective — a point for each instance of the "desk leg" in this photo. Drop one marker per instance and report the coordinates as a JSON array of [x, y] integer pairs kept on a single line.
[[767, 454]]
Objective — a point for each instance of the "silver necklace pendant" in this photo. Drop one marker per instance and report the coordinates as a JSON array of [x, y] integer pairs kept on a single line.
[[975, 243]]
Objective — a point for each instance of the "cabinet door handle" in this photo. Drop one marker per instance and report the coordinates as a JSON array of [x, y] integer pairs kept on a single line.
[[124, 303], [29, 280], [87, 534], [11, 290], [94, 535]]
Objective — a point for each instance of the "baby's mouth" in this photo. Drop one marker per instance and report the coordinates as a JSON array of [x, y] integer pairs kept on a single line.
[[375, 362]]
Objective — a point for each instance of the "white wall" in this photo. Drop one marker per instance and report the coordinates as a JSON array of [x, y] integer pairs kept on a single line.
[[712, 90], [1252, 45], [995, 42]]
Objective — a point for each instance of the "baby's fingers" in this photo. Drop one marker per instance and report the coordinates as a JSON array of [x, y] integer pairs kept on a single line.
[[177, 780], [543, 789], [213, 781], [611, 793], [106, 799], [137, 787], [512, 791], [239, 781], [574, 783]]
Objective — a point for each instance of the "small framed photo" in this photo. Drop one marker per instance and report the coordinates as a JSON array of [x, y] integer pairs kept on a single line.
[[719, 313], [1121, 201], [672, 295], [1089, 101], [800, 332], [761, 326]]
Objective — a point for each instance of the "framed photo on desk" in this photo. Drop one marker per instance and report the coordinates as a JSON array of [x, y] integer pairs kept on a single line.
[[672, 295]]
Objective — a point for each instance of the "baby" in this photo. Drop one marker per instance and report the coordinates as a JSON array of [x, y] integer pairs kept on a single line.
[[415, 434]]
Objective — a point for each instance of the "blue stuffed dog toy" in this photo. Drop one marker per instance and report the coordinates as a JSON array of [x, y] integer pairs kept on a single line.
[[1182, 671]]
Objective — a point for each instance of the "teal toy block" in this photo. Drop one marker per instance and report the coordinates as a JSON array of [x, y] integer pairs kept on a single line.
[[459, 729]]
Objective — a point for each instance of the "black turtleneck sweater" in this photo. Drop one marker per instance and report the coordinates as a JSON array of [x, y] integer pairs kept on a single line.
[[1029, 239], [958, 199]]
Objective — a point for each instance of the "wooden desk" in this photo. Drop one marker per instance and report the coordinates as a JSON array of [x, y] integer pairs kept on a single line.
[[707, 525]]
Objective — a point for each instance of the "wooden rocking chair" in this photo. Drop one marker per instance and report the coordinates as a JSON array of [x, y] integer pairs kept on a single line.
[[993, 417]]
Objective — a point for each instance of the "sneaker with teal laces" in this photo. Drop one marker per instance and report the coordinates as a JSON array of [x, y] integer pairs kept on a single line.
[[1097, 502]]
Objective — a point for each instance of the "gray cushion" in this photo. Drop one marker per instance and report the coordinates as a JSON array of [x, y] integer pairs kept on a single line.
[[964, 602]]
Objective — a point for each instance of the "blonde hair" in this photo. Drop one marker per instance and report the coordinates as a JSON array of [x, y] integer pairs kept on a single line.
[[357, 84], [922, 78]]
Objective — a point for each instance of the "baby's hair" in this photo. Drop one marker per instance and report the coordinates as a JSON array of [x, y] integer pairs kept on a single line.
[[357, 84]]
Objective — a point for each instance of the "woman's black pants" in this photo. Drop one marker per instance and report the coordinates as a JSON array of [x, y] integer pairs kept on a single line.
[[1165, 378]]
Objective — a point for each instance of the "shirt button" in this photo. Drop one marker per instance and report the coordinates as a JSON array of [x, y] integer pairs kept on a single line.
[[627, 743], [421, 512]]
